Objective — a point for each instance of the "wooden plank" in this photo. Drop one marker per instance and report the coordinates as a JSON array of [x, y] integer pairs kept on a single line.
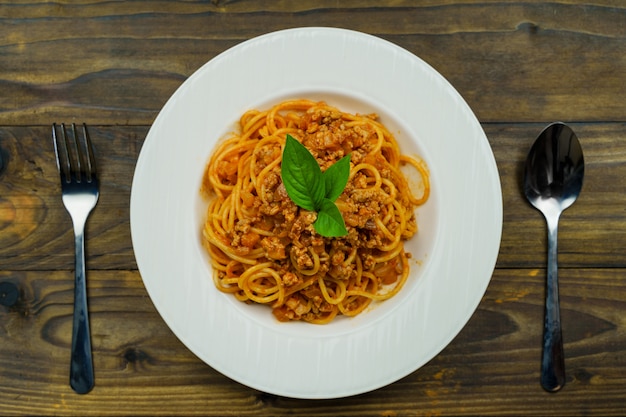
[[142, 369], [591, 230], [35, 227], [113, 64], [36, 230]]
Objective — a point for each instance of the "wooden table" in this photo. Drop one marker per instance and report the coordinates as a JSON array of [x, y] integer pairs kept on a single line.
[[115, 64]]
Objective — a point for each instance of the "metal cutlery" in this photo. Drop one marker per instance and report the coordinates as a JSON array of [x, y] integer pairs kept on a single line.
[[553, 179], [80, 191]]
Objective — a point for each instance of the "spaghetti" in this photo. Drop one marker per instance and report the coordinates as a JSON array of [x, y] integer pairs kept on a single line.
[[264, 249]]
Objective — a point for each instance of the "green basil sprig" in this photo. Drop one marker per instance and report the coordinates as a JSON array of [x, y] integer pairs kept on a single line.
[[314, 190]]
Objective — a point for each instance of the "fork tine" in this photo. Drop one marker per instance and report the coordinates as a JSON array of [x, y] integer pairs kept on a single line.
[[75, 155], [62, 154], [90, 160]]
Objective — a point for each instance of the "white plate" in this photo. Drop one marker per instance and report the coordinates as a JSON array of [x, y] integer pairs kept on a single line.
[[455, 250]]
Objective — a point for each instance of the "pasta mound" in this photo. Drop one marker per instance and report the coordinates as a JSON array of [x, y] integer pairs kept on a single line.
[[264, 249]]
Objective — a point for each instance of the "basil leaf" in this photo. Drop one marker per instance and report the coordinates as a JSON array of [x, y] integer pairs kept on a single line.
[[336, 178], [313, 190], [301, 175], [329, 221]]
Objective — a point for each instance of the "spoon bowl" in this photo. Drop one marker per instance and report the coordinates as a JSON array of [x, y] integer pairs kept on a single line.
[[552, 181]]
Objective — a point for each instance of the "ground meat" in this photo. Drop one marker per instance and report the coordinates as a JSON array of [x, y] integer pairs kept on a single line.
[[277, 231], [274, 247], [302, 257]]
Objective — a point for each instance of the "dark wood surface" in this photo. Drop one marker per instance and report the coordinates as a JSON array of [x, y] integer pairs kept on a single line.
[[113, 65]]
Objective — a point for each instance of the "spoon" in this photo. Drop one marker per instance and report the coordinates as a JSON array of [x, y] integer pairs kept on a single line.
[[552, 182]]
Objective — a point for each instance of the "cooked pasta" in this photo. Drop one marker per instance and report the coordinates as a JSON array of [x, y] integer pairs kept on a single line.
[[264, 249]]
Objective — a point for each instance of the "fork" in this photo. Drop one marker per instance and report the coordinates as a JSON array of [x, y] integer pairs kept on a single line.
[[80, 191]]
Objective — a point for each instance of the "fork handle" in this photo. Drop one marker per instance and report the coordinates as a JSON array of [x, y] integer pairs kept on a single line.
[[81, 364]]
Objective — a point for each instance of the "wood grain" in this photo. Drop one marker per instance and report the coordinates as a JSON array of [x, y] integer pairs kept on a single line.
[[591, 230], [118, 64], [139, 362], [36, 233], [35, 229], [113, 65]]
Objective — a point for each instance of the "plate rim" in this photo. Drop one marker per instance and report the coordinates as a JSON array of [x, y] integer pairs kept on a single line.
[[283, 37]]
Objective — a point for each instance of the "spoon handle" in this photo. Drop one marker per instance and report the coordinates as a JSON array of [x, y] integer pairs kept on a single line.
[[552, 363]]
